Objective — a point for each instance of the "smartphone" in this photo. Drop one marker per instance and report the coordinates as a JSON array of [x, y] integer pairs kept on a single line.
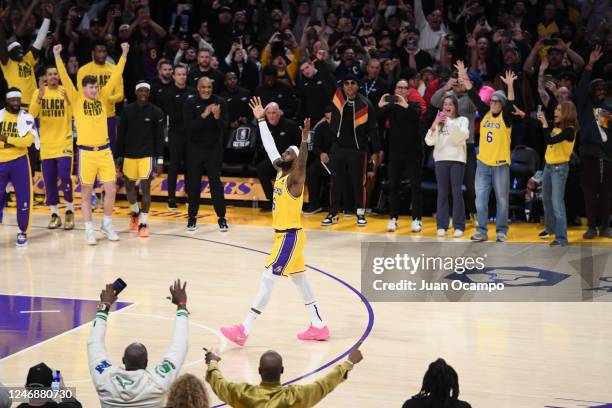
[[118, 286], [114, 8], [549, 42], [390, 98], [539, 109], [55, 384]]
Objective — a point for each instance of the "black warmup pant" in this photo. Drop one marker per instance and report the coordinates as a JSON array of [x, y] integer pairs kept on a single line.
[[348, 167], [469, 177], [396, 166], [199, 159], [316, 178], [596, 178], [178, 156], [266, 173]]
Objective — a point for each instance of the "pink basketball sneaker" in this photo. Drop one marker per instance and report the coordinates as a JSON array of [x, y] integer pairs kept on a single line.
[[312, 333], [235, 334]]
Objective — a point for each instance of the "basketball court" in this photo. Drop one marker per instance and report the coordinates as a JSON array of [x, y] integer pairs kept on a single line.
[[507, 354]]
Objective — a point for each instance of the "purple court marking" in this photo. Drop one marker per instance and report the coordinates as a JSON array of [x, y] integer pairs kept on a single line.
[[367, 305], [29, 320]]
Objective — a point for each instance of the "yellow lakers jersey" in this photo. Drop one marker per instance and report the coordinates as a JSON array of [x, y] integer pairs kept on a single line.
[[55, 123], [103, 74], [286, 209], [15, 146], [494, 149], [559, 152], [21, 75]]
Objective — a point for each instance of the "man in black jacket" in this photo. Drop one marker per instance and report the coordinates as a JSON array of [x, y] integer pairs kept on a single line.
[[140, 151], [161, 83], [204, 69], [174, 100], [285, 133], [237, 100], [354, 126], [405, 150], [316, 84], [206, 123], [271, 90]]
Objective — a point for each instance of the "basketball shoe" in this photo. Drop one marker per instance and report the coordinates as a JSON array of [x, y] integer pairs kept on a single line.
[[235, 334], [312, 333]]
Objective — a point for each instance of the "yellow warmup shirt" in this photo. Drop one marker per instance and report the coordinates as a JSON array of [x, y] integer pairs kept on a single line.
[[103, 73], [558, 153], [90, 114], [286, 210], [15, 146], [494, 149], [21, 74], [55, 128]]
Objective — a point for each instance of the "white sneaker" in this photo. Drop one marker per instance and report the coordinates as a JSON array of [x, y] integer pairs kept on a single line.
[[109, 231], [90, 236], [416, 226], [441, 232], [392, 225], [458, 233]]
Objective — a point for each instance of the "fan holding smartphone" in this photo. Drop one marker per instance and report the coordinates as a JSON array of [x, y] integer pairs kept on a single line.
[[402, 111]]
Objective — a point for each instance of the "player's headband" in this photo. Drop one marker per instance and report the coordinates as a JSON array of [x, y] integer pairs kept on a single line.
[[13, 94], [295, 149], [143, 85], [12, 45]]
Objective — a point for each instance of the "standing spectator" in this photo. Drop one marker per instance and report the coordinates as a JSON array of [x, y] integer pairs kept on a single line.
[[374, 86], [187, 391], [468, 110], [354, 124], [493, 160], [409, 52], [440, 388], [238, 62], [270, 392], [237, 100], [41, 376], [431, 29], [349, 65], [135, 385], [205, 124], [283, 53], [147, 38], [162, 83], [272, 90], [595, 148], [102, 71], [140, 153], [285, 133], [316, 84], [205, 69], [405, 150], [174, 100], [448, 135]]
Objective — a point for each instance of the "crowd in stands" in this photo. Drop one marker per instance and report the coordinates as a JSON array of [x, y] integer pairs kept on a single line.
[[418, 79]]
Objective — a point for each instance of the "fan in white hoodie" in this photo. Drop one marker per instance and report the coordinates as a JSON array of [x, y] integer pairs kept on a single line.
[[449, 139]]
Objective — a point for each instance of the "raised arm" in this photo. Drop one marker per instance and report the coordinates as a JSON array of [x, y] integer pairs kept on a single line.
[[176, 353], [226, 391], [465, 80], [297, 178], [117, 76], [266, 136], [583, 86], [96, 349], [71, 91], [508, 80], [544, 97], [419, 15]]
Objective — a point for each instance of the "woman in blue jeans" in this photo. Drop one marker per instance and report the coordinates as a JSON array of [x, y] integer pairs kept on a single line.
[[448, 135], [560, 145]]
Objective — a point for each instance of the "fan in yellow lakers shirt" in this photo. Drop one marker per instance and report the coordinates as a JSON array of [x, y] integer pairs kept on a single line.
[[102, 70], [17, 66], [50, 104], [95, 155]]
